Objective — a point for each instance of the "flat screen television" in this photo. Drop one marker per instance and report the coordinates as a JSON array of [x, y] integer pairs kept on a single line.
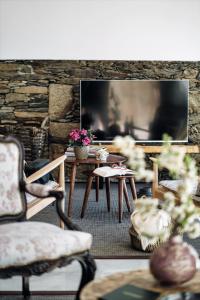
[[144, 109]]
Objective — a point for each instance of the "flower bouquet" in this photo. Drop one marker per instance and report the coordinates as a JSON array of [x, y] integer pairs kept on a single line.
[[170, 259], [80, 139]]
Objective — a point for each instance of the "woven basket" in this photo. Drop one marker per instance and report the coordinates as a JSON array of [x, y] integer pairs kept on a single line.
[[136, 242], [39, 139]]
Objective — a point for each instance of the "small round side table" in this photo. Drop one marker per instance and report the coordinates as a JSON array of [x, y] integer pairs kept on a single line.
[[140, 278], [111, 159]]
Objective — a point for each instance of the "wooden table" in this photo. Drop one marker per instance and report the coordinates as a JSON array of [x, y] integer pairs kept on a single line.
[[140, 278], [111, 159]]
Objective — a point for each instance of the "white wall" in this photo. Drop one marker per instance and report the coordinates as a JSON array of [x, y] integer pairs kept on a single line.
[[100, 29]]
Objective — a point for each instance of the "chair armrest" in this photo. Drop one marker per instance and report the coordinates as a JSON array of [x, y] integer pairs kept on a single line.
[[46, 169], [155, 175], [43, 191], [38, 190], [59, 197]]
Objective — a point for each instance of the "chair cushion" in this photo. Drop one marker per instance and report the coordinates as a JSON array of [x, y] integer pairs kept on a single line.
[[53, 184], [27, 242], [173, 185]]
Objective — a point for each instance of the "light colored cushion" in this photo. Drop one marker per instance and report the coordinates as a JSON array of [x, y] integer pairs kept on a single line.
[[26, 242], [173, 185], [52, 184], [10, 199]]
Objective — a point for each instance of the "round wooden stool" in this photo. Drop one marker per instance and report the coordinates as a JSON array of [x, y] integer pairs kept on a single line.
[[122, 190]]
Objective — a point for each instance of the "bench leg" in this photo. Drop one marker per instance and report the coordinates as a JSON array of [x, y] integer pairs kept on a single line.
[[62, 185], [86, 196]]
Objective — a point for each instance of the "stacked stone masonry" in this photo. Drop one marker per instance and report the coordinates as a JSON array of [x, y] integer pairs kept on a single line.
[[30, 90]]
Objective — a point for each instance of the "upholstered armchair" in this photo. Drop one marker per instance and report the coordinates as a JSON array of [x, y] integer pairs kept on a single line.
[[32, 248]]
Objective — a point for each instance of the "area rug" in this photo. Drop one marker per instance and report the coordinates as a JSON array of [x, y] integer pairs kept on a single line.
[[110, 238], [53, 297]]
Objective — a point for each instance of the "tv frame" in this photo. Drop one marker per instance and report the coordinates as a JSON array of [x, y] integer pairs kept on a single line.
[[145, 141]]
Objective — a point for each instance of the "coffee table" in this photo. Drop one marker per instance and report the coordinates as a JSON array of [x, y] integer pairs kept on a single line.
[[140, 278], [111, 159]]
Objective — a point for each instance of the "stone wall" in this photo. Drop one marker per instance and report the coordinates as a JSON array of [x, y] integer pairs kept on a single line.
[[31, 90]]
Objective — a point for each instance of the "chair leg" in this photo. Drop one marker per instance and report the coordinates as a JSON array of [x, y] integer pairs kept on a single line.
[[88, 266], [120, 198], [97, 188], [108, 192], [86, 196], [25, 288], [133, 188], [126, 196]]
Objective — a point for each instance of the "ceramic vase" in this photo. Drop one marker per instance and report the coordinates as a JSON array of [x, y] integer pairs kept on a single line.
[[81, 152], [174, 262]]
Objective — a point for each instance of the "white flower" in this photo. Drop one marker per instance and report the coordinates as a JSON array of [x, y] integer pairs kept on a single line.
[[124, 142], [194, 231]]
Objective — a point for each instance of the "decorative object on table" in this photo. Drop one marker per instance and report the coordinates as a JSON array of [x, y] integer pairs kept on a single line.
[[80, 140], [102, 154], [168, 261], [129, 291]]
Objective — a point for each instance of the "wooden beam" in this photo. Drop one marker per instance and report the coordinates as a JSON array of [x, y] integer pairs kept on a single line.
[[153, 149]]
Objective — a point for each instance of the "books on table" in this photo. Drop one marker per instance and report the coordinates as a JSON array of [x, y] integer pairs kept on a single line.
[[112, 171], [132, 292]]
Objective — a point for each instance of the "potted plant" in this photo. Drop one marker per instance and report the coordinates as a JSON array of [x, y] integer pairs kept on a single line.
[[80, 139], [174, 261]]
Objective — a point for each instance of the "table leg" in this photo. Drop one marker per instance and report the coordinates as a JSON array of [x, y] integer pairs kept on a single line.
[[126, 196], [108, 192], [71, 189], [97, 188], [86, 196], [120, 198], [133, 188], [97, 184]]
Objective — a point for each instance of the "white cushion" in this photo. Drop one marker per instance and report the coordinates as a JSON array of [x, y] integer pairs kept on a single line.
[[26, 242], [10, 198], [173, 185], [53, 184]]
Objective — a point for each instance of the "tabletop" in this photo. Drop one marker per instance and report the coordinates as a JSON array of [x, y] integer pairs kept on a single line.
[[111, 159], [140, 278]]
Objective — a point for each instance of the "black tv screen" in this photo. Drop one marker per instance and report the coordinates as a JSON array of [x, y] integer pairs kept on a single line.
[[144, 109]]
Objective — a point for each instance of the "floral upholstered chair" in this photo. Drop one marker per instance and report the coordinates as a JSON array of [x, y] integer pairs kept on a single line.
[[32, 248]]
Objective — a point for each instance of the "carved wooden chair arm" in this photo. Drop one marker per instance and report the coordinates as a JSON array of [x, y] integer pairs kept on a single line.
[[42, 191], [59, 196]]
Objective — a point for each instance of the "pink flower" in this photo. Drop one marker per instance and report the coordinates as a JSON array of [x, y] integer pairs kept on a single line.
[[86, 141], [74, 135], [83, 132]]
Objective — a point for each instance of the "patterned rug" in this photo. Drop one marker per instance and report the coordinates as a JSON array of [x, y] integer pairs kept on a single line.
[[53, 297], [110, 238]]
